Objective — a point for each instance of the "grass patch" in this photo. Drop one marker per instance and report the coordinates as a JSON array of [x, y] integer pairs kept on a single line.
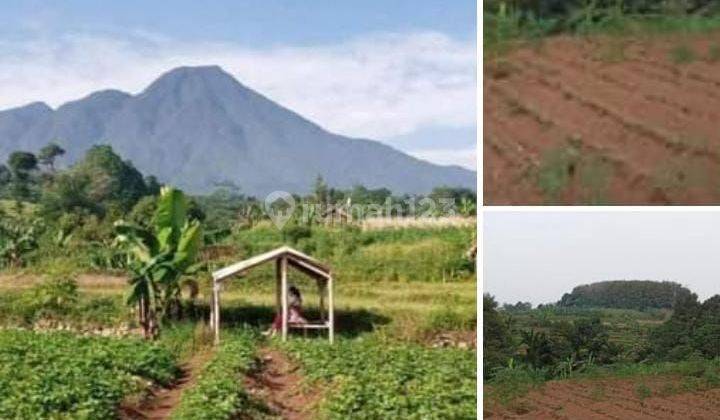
[[557, 168], [513, 382], [643, 391], [560, 167], [595, 174], [682, 54]]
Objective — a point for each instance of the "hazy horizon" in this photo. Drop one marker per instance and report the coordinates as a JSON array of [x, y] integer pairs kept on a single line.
[[538, 256]]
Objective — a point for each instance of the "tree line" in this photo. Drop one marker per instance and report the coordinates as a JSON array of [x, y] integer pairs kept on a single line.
[[625, 294], [45, 207], [557, 348]]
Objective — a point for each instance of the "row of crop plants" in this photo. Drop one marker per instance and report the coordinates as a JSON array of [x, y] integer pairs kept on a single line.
[[219, 392], [373, 379], [62, 375]]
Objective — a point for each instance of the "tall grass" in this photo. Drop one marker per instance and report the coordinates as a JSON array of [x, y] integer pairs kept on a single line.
[[508, 25]]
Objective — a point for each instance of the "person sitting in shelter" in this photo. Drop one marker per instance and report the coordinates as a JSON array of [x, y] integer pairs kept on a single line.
[[294, 312]]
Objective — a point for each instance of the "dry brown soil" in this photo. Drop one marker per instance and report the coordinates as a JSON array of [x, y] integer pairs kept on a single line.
[[163, 401], [646, 125], [648, 398], [280, 386]]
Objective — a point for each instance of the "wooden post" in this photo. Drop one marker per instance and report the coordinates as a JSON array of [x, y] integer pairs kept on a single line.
[[278, 285], [211, 320], [284, 293], [331, 311], [323, 289], [216, 310]]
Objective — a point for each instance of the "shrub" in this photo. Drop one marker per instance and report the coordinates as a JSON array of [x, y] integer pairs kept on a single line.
[[55, 297]]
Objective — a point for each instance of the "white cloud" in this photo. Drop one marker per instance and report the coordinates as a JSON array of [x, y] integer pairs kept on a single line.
[[377, 86], [380, 85]]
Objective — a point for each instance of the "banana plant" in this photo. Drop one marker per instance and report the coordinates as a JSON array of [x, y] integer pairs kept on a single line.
[[467, 207], [159, 257], [16, 240]]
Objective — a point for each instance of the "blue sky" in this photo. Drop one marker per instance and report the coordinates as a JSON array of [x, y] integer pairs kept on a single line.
[[537, 256], [398, 71], [258, 22]]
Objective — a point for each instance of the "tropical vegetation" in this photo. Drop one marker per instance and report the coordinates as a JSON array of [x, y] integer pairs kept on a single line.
[[95, 255]]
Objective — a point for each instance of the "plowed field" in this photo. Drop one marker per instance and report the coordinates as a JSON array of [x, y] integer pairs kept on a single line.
[[604, 121], [656, 398]]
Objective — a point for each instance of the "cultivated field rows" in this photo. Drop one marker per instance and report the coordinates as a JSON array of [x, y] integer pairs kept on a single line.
[[634, 127], [651, 398]]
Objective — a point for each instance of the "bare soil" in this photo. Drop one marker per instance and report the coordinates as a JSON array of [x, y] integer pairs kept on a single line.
[[647, 398], [651, 121], [279, 385]]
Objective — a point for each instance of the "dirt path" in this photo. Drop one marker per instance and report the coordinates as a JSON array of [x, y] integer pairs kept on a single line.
[[278, 384], [164, 400]]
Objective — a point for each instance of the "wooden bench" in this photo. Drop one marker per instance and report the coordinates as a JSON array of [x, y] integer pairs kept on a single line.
[[309, 326]]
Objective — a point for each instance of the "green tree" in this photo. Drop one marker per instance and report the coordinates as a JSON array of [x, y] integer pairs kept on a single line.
[[5, 175], [543, 350], [49, 153], [69, 193], [588, 337], [112, 180], [320, 190], [152, 185], [498, 346], [21, 165], [693, 329], [101, 184], [625, 294], [159, 257]]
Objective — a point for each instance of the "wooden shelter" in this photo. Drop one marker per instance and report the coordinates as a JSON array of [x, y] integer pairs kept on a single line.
[[283, 257]]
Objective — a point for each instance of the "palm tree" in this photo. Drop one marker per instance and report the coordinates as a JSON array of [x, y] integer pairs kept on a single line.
[[159, 257]]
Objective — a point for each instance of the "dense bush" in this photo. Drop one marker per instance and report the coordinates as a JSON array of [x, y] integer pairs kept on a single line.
[[498, 343], [218, 393], [371, 379], [59, 375], [625, 294], [693, 329]]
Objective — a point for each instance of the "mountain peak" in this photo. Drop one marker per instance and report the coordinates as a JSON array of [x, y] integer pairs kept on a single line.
[[187, 73], [193, 79], [206, 70], [30, 111], [196, 126], [34, 108]]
